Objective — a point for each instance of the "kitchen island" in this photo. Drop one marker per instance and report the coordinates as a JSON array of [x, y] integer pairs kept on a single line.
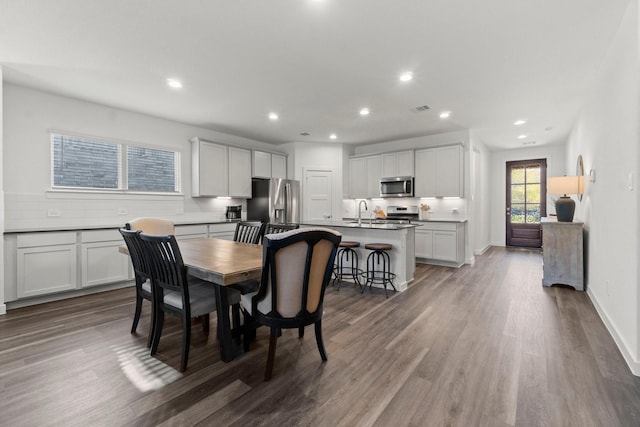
[[400, 236]]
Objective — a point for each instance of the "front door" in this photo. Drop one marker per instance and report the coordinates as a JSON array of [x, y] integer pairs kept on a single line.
[[526, 202]]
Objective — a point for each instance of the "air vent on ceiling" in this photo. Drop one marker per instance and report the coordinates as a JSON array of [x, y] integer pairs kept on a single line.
[[529, 143], [420, 108], [305, 134]]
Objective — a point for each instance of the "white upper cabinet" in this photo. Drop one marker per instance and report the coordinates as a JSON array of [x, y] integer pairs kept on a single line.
[[239, 172], [374, 173], [269, 165], [358, 178], [209, 169], [439, 172], [219, 170], [397, 164], [278, 166]]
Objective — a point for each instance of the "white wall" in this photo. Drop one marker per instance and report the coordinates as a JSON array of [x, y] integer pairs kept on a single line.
[[3, 306], [480, 196], [606, 135], [555, 155], [29, 116]]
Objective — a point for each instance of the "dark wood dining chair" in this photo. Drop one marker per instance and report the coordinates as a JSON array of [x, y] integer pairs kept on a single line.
[[175, 294], [297, 267], [272, 228], [249, 232], [142, 276]]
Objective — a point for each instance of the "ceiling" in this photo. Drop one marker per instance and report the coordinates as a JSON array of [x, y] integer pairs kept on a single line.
[[318, 62]]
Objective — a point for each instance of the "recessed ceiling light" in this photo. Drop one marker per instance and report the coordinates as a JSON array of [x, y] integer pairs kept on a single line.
[[176, 84], [445, 114], [405, 77], [364, 112], [273, 116], [522, 136], [333, 136], [520, 122]]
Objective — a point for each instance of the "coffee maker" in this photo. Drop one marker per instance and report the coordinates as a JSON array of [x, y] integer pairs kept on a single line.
[[234, 212]]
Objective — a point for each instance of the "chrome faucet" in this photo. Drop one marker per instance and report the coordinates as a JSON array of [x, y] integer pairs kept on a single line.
[[360, 210]]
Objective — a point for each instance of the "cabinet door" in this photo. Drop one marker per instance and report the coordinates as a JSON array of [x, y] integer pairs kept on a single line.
[[103, 263], [389, 167], [358, 178], [261, 164], [46, 269], [222, 231], [424, 243], [190, 231], [449, 172], [374, 173], [445, 245], [210, 173], [425, 173], [239, 172], [404, 163], [278, 166]]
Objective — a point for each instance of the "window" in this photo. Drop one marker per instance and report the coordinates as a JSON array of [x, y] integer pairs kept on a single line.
[[78, 162]]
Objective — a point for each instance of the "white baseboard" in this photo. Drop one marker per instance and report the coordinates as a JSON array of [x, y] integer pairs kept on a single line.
[[3, 309], [633, 363], [483, 250]]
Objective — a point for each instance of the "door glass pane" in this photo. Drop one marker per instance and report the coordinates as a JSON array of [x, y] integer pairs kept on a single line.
[[517, 193], [533, 213], [517, 213], [517, 175], [533, 193], [533, 174]]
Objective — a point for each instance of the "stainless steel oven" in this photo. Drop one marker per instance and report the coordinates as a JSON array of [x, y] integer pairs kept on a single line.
[[396, 186]]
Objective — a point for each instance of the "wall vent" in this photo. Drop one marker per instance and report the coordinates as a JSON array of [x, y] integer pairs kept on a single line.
[[305, 134], [421, 108]]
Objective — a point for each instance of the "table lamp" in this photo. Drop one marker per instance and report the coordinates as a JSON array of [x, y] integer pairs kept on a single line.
[[563, 185]]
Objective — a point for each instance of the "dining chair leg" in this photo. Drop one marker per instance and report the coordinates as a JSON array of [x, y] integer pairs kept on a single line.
[[323, 353], [186, 341], [235, 321], [153, 326], [301, 332], [273, 340], [205, 324], [136, 315], [248, 332], [157, 331]]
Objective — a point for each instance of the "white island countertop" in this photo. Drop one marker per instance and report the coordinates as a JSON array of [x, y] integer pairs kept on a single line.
[[364, 224]]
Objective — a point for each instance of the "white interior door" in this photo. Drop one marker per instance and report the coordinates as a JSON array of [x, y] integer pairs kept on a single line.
[[317, 194]]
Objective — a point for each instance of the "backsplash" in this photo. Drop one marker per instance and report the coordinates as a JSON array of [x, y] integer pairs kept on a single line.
[[440, 208], [71, 210]]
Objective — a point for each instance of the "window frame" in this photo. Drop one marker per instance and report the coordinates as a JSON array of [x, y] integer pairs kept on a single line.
[[123, 166]]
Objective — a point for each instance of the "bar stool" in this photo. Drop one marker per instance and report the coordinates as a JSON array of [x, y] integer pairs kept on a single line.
[[379, 252], [347, 265]]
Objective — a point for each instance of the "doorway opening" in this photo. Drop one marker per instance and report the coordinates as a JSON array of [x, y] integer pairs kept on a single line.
[[526, 202]]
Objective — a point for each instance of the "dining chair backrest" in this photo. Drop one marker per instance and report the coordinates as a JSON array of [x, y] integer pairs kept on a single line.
[[141, 263], [249, 232], [297, 266], [168, 270], [149, 225], [272, 228]]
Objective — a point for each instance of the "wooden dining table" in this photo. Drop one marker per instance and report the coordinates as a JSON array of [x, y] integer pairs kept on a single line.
[[223, 263]]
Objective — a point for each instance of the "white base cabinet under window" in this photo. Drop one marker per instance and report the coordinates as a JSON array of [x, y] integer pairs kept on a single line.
[[101, 260], [46, 263], [441, 243]]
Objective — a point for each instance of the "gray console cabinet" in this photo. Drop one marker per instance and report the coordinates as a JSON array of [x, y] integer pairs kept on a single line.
[[563, 253]]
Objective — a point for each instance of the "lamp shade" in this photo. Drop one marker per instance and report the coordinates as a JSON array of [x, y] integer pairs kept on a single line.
[[564, 185]]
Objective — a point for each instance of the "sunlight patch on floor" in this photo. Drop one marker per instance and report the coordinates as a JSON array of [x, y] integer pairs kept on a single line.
[[144, 371]]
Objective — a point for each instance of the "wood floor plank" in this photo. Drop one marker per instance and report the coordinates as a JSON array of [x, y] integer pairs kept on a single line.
[[482, 345]]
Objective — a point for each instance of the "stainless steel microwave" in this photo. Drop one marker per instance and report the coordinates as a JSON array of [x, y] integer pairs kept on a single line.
[[396, 186]]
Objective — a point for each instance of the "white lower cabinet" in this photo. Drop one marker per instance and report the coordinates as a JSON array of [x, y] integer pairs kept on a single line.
[[46, 263], [440, 243], [190, 231], [101, 260], [222, 231]]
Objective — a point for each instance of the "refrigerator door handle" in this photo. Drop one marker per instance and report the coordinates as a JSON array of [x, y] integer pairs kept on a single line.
[[287, 201]]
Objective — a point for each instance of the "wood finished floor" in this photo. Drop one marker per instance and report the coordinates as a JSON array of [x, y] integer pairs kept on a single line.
[[477, 346]]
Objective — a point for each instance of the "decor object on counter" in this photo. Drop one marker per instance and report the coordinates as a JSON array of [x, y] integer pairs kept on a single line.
[[379, 213], [580, 174], [565, 206], [424, 211]]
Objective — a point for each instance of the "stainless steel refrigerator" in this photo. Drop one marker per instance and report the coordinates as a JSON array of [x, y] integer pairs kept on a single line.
[[274, 200]]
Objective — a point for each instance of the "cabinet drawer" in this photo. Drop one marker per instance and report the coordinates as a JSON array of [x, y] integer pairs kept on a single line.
[[191, 231], [31, 240], [444, 226], [112, 235]]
